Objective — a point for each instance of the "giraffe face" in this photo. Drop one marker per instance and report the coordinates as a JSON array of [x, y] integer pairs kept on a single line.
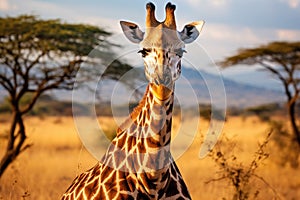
[[162, 50], [161, 45]]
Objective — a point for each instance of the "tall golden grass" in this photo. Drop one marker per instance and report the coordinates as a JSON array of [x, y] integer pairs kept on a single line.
[[46, 169]]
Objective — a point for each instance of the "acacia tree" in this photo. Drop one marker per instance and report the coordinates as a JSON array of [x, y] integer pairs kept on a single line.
[[282, 59], [40, 55]]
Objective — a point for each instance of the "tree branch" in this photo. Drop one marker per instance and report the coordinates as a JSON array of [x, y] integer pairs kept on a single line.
[[216, 179], [271, 69], [5, 82], [27, 146], [268, 185], [32, 102]]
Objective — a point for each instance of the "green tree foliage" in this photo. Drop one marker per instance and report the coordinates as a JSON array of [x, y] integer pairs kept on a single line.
[[282, 59], [40, 55]]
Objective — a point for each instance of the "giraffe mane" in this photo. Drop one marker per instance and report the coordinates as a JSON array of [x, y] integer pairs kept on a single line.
[[133, 115]]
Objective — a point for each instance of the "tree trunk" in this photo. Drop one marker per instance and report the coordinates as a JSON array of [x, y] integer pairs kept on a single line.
[[293, 118], [16, 139]]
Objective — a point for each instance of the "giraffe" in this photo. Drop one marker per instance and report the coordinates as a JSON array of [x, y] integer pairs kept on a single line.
[[138, 163]]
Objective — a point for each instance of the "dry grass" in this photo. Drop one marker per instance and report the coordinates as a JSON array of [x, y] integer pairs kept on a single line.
[[46, 169]]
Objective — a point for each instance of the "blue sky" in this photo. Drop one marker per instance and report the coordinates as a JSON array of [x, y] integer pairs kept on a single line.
[[230, 24], [251, 13]]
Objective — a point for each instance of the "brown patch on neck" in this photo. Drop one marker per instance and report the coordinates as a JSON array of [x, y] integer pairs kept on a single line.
[[161, 92]]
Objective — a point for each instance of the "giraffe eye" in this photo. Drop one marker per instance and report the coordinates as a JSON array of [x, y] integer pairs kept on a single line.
[[144, 52]]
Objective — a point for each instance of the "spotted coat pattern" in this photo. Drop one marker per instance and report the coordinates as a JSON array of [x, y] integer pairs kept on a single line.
[[138, 163]]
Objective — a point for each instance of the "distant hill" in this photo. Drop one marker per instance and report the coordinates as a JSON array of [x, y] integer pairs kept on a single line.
[[192, 82], [200, 84], [254, 76], [237, 94]]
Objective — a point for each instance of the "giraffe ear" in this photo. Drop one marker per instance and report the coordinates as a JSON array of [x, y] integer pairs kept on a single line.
[[132, 32], [191, 31]]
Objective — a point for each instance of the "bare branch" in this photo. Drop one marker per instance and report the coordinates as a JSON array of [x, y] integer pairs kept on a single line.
[[268, 185], [271, 69], [32, 103], [216, 179], [5, 82], [27, 146]]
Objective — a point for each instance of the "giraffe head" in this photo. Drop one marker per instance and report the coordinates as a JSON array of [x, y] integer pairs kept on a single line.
[[162, 46]]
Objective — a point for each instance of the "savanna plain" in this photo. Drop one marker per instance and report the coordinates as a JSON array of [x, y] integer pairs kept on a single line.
[[47, 168]]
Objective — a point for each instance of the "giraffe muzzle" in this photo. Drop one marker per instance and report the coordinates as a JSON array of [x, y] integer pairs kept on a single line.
[[164, 78]]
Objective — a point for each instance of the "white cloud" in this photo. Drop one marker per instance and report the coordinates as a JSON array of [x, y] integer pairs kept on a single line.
[[221, 40], [214, 3], [193, 2], [288, 35], [13, 7], [47, 9], [4, 6], [50, 10], [292, 3], [225, 33], [218, 2], [108, 24]]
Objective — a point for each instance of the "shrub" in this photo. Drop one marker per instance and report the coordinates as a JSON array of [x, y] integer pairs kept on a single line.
[[236, 173]]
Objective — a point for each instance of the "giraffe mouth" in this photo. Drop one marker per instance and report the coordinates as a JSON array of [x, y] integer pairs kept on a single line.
[[161, 92]]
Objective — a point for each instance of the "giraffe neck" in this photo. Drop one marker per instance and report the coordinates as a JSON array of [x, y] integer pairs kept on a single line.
[[138, 163], [143, 140], [151, 119]]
